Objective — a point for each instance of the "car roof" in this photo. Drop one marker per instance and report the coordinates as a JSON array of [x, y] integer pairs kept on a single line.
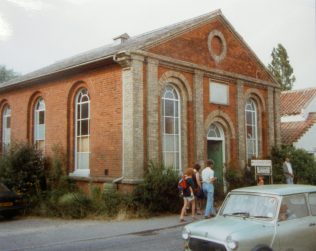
[[277, 189]]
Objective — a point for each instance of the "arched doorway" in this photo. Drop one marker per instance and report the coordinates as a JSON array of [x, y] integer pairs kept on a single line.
[[216, 151]]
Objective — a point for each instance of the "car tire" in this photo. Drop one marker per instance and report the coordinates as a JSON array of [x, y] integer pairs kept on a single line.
[[261, 248]]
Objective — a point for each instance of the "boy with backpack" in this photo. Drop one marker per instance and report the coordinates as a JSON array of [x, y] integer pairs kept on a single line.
[[187, 185]]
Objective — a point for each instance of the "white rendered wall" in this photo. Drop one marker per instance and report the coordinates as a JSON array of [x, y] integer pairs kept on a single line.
[[308, 141], [311, 107]]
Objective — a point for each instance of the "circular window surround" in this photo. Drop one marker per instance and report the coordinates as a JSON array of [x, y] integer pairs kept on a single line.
[[217, 57]]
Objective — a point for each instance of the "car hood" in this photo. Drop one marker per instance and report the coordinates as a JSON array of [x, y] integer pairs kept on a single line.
[[220, 227]]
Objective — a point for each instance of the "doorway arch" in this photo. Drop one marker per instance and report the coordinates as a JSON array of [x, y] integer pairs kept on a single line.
[[216, 150]]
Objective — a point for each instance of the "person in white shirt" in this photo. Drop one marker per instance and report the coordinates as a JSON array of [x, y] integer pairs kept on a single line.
[[288, 171], [208, 188]]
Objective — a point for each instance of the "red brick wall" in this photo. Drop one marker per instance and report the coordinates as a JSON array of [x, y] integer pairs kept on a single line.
[[193, 47], [105, 91]]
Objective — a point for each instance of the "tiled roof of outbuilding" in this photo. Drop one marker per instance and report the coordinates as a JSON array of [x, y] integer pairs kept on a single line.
[[292, 131], [292, 102]]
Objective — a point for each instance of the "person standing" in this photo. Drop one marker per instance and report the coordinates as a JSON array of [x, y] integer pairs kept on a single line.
[[288, 171], [188, 195], [208, 188], [198, 191]]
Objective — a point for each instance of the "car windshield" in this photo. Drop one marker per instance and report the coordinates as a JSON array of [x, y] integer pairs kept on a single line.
[[250, 206]]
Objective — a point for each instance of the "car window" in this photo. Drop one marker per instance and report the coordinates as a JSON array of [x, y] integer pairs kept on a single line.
[[312, 202], [293, 207]]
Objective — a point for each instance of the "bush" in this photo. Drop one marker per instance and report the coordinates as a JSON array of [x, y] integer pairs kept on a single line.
[[23, 170], [303, 164], [159, 191]]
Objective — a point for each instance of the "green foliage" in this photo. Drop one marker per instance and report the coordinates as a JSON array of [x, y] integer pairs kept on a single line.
[[6, 75], [234, 177], [281, 69], [23, 170], [159, 190], [303, 164]]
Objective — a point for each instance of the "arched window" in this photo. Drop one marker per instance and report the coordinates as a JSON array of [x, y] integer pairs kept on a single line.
[[39, 124], [82, 132], [6, 129], [251, 129], [171, 128], [215, 133]]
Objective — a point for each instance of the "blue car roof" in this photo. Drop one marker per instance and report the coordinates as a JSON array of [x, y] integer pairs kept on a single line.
[[277, 189]]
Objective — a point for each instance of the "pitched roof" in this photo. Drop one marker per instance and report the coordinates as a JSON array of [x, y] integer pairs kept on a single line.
[[133, 43], [292, 131], [107, 51], [292, 102]]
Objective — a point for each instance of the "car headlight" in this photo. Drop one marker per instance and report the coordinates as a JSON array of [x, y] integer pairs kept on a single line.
[[185, 233], [232, 244]]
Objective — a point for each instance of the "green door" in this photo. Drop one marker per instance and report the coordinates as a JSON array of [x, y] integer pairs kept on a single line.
[[215, 152]]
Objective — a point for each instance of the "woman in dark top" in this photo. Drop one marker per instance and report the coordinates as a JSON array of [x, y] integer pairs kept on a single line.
[[188, 195]]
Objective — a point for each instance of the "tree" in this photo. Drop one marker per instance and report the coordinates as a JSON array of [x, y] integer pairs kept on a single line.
[[6, 75], [281, 69]]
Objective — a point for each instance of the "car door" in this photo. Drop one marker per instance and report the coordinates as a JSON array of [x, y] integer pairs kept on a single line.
[[293, 232], [312, 218]]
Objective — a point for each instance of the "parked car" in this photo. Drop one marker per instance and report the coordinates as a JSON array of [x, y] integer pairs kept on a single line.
[[10, 202], [260, 218]]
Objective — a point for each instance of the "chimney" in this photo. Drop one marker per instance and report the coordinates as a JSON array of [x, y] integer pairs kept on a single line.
[[121, 38]]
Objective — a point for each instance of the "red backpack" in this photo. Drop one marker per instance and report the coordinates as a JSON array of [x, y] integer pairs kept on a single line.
[[182, 184]]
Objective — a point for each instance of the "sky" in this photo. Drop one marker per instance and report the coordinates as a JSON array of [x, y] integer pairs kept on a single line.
[[37, 33]]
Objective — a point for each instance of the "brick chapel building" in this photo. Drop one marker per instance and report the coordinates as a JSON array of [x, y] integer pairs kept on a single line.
[[180, 94]]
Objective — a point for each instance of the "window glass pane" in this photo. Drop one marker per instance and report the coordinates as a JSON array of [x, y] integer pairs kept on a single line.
[[83, 161], [169, 143], [168, 159], [312, 203], [85, 111], [78, 111], [41, 116], [294, 207], [40, 132], [78, 128], [84, 98], [176, 126], [249, 118], [8, 122], [169, 108], [84, 127], [40, 145], [169, 125], [176, 109]]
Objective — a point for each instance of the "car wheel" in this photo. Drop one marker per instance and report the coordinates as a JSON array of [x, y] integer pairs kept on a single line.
[[261, 248]]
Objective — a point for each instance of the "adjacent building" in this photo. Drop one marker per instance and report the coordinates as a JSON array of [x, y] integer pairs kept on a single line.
[[180, 94], [298, 119]]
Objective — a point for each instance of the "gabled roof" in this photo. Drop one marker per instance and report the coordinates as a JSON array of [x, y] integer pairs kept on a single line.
[[292, 131], [133, 43], [292, 102]]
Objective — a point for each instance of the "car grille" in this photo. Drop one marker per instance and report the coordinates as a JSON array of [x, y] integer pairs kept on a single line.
[[203, 245]]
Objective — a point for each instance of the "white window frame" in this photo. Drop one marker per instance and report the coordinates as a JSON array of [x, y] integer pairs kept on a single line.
[[176, 151], [81, 156], [252, 144], [38, 136], [6, 131]]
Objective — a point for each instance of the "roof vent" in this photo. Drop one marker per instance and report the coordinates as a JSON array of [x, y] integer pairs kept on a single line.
[[121, 38]]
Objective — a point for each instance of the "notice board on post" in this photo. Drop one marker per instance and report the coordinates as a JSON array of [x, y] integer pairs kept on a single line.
[[263, 167]]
